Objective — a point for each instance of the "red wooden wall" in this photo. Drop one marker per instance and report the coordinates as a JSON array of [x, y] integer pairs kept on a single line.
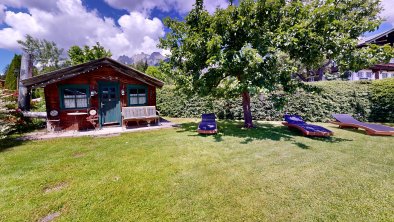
[[92, 78]]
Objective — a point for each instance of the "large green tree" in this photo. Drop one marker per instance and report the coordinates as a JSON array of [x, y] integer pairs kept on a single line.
[[12, 73], [46, 54], [317, 34], [80, 55], [257, 44]]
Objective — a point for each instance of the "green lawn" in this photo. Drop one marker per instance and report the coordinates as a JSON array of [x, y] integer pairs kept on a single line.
[[263, 174]]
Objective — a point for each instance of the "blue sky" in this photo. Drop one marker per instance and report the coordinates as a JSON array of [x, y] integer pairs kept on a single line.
[[126, 27]]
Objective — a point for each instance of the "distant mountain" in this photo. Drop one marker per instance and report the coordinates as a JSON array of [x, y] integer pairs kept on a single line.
[[125, 60], [152, 59], [155, 58], [140, 57]]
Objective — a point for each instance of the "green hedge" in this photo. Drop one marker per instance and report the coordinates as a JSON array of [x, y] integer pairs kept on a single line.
[[382, 109], [365, 100]]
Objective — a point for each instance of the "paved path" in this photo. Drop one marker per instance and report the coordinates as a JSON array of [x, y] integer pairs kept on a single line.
[[110, 131]]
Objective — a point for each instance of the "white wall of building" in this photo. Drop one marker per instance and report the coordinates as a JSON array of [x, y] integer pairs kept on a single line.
[[367, 74]]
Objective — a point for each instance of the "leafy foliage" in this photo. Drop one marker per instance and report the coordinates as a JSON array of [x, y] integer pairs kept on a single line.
[[383, 100], [315, 102], [45, 53], [12, 120], [80, 55], [231, 47], [314, 32], [6, 123], [12, 73], [158, 73]]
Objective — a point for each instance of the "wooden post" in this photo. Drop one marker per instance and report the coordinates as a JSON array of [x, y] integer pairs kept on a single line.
[[26, 72], [376, 72]]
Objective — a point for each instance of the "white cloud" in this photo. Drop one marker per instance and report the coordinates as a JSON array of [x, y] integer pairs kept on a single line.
[[388, 10], [213, 4], [181, 6], [71, 24], [38, 4]]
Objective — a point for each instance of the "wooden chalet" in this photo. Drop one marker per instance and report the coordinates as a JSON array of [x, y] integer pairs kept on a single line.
[[92, 95]]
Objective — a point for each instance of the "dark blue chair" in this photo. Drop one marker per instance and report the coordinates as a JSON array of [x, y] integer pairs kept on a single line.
[[208, 124]]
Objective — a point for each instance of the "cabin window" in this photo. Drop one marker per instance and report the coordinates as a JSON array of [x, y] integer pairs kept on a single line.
[[360, 74], [384, 75], [369, 74], [137, 95], [74, 96]]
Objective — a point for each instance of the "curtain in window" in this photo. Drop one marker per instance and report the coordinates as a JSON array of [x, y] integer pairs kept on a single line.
[[137, 96], [69, 101], [75, 98]]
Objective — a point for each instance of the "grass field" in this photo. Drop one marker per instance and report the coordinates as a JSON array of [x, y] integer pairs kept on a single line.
[[263, 174]]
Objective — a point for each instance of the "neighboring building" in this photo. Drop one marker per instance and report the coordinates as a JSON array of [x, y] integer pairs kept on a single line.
[[102, 86], [383, 38], [379, 71]]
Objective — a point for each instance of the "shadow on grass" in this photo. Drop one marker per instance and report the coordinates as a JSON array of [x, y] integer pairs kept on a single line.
[[8, 143], [353, 130], [262, 131]]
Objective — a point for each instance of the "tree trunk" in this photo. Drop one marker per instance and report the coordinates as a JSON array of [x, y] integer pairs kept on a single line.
[[246, 108], [320, 71], [26, 71]]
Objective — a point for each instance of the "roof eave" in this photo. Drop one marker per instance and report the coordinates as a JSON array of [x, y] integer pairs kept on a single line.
[[48, 78]]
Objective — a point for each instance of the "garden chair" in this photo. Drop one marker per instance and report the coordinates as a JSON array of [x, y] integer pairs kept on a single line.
[[208, 124], [347, 121], [296, 122]]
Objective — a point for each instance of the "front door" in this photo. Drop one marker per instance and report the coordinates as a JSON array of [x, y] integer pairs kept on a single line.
[[109, 103]]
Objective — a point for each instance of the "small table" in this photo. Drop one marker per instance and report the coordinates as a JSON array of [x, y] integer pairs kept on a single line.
[[76, 114]]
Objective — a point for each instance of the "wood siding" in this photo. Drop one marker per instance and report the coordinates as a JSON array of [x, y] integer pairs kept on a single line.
[[104, 74]]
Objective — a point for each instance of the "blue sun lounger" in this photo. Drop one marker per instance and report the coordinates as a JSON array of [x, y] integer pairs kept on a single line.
[[347, 121], [208, 124], [296, 122]]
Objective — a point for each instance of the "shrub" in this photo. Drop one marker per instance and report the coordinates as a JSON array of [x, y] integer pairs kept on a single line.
[[382, 109], [12, 119], [7, 122], [365, 100]]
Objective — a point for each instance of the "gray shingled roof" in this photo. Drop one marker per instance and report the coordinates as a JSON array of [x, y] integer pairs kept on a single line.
[[69, 72]]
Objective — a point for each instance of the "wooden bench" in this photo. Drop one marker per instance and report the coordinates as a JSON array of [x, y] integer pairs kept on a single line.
[[140, 113]]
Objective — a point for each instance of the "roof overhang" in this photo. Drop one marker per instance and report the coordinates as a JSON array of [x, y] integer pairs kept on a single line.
[[383, 67], [378, 39]]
